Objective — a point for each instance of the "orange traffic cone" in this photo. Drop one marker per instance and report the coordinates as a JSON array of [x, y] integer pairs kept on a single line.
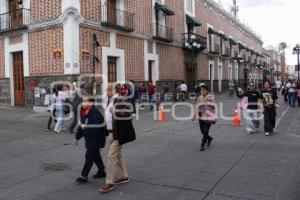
[[236, 121], [161, 114]]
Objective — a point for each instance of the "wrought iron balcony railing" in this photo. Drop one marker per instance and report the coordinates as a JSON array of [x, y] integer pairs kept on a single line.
[[120, 19], [13, 20], [162, 33], [193, 37]]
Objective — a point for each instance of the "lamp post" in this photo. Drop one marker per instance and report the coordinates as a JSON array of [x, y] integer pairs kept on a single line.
[[193, 45], [96, 44], [296, 50]]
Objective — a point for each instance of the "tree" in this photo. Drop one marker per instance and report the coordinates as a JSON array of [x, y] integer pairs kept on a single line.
[[282, 46]]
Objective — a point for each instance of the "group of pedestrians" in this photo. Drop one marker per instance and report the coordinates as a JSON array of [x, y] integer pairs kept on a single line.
[[62, 101], [255, 103], [119, 129], [291, 92]]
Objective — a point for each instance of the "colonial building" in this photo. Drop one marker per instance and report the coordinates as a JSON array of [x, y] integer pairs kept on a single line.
[[42, 41]]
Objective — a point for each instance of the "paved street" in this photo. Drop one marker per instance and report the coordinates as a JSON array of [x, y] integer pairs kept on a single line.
[[163, 163]]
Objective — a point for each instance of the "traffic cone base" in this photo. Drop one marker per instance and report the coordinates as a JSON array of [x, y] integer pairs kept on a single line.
[[236, 121], [161, 114]]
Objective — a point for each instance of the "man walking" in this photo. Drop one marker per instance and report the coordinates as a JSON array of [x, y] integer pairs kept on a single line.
[[183, 90], [94, 134], [123, 132], [254, 100]]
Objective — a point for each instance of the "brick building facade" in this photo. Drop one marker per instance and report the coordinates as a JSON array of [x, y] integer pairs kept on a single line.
[[159, 40]]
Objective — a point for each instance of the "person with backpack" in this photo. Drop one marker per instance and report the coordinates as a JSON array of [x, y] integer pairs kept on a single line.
[[93, 130], [206, 113]]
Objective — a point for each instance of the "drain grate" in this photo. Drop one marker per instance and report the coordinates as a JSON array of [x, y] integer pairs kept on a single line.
[[55, 167]]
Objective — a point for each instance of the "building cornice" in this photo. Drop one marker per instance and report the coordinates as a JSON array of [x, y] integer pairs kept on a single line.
[[214, 5]]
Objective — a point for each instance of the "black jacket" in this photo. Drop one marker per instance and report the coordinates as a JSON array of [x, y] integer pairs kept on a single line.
[[123, 130], [94, 136]]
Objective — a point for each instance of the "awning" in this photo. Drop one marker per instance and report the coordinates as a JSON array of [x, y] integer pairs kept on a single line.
[[193, 20], [224, 37], [163, 8], [233, 41], [212, 31]]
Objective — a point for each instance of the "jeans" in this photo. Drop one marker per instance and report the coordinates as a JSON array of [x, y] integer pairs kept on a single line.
[[151, 101], [92, 156], [252, 120], [291, 97], [270, 119], [60, 119], [204, 128]]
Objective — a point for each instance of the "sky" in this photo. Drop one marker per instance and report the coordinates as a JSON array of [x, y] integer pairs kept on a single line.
[[274, 20]]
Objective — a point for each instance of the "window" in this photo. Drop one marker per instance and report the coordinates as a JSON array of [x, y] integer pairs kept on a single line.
[[112, 69], [190, 5]]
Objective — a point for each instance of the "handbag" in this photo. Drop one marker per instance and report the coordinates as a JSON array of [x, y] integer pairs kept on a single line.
[[244, 103]]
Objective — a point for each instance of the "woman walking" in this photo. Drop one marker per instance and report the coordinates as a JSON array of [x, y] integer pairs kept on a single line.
[[206, 114], [49, 102], [269, 102], [123, 132], [93, 131], [59, 98]]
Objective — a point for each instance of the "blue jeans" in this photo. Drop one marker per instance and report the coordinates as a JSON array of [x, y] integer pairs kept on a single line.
[[291, 97]]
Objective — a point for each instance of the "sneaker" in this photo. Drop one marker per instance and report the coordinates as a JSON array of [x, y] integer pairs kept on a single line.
[[119, 181], [100, 175], [56, 130], [209, 141], [47, 129], [267, 134], [62, 129], [81, 179], [106, 188]]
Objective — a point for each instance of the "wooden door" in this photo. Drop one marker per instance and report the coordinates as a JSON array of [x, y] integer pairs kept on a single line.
[[112, 69], [15, 13], [18, 75], [111, 12]]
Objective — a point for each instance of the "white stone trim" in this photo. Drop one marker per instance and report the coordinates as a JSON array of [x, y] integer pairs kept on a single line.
[[9, 49], [71, 45], [70, 3], [151, 57], [113, 40], [211, 77], [186, 11], [120, 54]]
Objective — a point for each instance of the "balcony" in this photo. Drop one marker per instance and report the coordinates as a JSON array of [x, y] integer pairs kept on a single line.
[[115, 18], [192, 37], [162, 33], [235, 54], [14, 20]]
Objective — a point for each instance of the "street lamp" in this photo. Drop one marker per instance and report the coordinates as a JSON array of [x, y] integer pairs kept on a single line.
[[296, 50], [193, 45]]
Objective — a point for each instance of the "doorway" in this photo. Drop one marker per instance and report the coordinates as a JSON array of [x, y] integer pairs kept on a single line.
[[150, 70], [220, 77], [112, 69], [18, 78]]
